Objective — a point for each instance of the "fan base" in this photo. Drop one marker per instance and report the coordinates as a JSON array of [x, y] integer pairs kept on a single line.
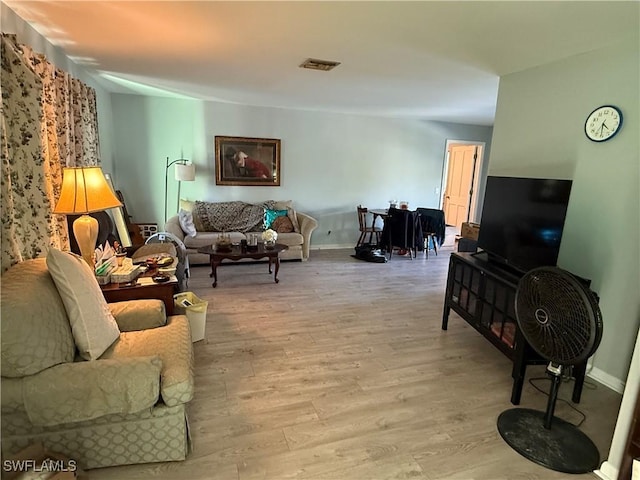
[[563, 447]]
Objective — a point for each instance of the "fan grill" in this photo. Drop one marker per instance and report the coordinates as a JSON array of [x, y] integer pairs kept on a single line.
[[558, 316]]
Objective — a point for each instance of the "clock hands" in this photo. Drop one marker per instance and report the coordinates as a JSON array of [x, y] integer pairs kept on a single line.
[[602, 127]]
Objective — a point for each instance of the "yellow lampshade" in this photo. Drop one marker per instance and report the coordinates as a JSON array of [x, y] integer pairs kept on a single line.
[[85, 190]]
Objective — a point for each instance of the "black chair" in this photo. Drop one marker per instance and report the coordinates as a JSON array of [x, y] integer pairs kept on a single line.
[[433, 227], [402, 230]]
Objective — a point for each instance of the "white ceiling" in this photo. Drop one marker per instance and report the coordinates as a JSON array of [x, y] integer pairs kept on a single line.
[[419, 59]]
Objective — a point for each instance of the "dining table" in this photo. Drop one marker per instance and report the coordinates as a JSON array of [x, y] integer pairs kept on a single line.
[[378, 213]]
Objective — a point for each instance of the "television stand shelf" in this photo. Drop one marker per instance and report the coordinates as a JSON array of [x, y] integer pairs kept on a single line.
[[483, 294]]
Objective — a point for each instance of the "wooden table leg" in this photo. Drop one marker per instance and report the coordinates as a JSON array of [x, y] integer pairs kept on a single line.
[[270, 258], [277, 262], [214, 272]]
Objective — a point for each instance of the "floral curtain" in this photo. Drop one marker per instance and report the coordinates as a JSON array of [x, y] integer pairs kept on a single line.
[[49, 121]]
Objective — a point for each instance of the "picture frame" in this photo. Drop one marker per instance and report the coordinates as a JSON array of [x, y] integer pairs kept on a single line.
[[246, 161]]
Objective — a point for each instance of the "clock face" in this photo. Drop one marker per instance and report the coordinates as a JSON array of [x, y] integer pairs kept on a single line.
[[603, 123]]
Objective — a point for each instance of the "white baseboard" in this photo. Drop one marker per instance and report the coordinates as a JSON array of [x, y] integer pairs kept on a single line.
[[608, 380], [607, 472], [331, 246]]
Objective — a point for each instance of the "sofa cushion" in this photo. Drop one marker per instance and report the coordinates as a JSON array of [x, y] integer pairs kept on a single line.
[[139, 314], [203, 239], [35, 329], [92, 323], [290, 239], [12, 399], [172, 343], [78, 391]]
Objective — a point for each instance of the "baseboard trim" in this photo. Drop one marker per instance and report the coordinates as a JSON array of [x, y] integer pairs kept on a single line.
[[332, 246], [606, 379], [607, 472]]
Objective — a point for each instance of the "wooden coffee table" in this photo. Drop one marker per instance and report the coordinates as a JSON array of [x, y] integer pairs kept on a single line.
[[238, 253]]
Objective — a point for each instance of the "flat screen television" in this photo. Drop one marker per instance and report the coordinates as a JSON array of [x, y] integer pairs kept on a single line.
[[522, 220]]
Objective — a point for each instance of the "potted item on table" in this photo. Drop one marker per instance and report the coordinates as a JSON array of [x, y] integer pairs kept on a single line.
[[223, 242], [269, 236]]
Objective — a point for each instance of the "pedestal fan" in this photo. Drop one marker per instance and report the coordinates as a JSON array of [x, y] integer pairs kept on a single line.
[[562, 322]]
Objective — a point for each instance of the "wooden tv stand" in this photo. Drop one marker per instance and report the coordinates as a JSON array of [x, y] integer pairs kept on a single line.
[[483, 293]]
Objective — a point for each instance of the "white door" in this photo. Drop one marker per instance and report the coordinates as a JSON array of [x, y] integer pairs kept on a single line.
[[457, 196]]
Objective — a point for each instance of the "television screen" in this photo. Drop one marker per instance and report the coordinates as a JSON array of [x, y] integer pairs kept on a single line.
[[522, 220]]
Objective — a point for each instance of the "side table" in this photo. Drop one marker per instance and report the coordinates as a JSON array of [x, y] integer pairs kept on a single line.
[[144, 288]]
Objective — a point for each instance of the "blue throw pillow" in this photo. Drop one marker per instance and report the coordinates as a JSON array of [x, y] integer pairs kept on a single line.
[[271, 215]]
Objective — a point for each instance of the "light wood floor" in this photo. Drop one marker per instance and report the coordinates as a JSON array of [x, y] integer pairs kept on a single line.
[[341, 371]]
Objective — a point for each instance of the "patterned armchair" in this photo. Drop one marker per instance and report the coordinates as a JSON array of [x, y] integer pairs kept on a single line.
[[123, 405]]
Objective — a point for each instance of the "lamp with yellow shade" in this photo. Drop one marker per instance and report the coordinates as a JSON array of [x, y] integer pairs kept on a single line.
[[85, 190]]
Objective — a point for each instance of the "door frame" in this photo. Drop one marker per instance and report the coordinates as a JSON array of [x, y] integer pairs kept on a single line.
[[475, 182]]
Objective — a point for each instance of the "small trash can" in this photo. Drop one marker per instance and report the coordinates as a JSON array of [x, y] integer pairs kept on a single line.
[[186, 303]]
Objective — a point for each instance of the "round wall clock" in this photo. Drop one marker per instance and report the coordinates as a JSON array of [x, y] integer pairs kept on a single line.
[[603, 123]]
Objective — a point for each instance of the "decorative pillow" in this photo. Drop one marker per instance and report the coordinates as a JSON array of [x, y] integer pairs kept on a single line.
[[271, 215], [291, 213], [281, 204], [282, 225], [92, 324], [186, 222], [186, 205]]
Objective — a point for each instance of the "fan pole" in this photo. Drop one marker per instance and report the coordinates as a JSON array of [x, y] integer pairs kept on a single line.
[[555, 372]]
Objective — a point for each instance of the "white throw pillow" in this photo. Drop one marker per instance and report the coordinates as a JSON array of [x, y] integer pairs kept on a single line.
[[186, 223], [92, 324]]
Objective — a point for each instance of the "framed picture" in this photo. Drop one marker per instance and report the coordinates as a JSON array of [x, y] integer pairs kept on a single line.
[[247, 161]]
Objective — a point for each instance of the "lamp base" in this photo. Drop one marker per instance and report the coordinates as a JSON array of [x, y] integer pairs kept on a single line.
[[85, 229]]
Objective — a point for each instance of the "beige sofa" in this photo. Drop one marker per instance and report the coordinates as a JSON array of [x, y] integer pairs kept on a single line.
[[248, 216], [126, 406]]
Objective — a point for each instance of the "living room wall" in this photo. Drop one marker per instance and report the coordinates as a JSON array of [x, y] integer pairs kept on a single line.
[[539, 132], [329, 163]]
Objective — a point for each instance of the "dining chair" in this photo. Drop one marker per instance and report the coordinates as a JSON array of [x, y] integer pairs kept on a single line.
[[433, 227], [402, 231], [364, 229]]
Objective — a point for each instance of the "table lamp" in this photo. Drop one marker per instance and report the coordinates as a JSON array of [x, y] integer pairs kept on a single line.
[[85, 190], [184, 172]]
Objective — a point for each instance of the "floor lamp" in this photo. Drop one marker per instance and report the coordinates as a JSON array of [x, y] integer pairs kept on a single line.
[[184, 172], [85, 190]]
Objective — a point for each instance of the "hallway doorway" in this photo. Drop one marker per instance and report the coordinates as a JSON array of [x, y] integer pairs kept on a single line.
[[461, 175]]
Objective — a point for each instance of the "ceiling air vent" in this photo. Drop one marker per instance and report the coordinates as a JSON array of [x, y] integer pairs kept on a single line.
[[315, 64]]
